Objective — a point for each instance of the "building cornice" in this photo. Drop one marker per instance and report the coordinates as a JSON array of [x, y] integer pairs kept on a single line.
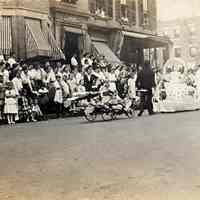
[[23, 8]]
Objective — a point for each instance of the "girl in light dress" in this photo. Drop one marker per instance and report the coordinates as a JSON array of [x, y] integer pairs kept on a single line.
[[58, 98], [112, 80], [37, 113], [2, 95], [10, 107]]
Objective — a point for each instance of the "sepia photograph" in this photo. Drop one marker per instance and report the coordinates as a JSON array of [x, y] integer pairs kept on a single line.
[[99, 99]]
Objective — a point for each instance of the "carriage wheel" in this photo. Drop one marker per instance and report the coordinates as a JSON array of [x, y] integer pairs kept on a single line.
[[91, 117], [131, 113], [114, 116], [107, 116]]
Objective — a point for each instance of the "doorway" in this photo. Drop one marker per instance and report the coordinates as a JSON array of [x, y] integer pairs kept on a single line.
[[72, 46]]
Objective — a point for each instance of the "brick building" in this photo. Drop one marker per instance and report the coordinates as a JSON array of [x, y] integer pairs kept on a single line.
[[185, 34], [118, 29]]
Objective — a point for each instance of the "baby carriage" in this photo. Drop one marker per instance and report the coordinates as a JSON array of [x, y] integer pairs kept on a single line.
[[109, 110], [97, 107]]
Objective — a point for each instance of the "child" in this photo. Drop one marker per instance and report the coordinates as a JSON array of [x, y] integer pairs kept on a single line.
[[81, 91], [10, 107], [2, 95], [106, 93], [58, 98], [37, 113], [131, 85], [25, 107]]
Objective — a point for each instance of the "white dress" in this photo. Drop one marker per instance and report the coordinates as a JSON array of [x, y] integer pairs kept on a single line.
[[132, 87], [59, 94], [112, 81], [10, 106]]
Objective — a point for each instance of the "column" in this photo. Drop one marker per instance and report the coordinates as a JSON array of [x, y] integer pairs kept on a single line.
[[114, 10], [18, 35], [137, 13]]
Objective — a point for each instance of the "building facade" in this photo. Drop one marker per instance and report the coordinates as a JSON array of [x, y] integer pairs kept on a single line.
[[185, 34], [117, 29]]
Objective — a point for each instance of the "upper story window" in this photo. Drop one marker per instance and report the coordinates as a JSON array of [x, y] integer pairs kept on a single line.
[[193, 51], [177, 32], [192, 29], [124, 11], [69, 1], [145, 6], [177, 52], [145, 12], [101, 8]]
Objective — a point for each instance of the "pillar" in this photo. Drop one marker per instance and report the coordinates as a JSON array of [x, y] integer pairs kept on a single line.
[[18, 35]]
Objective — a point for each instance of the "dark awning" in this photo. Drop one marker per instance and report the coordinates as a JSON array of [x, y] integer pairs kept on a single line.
[[36, 43], [142, 40], [104, 50], [5, 35]]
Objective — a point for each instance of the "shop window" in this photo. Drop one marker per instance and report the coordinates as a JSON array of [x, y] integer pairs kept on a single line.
[[193, 51], [177, 52]]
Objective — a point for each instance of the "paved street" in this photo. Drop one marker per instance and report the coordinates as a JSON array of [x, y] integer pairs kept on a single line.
[[148, 158]]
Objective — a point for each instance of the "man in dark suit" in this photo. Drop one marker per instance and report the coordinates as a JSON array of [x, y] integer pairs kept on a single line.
[[89, 79], [146, 82]]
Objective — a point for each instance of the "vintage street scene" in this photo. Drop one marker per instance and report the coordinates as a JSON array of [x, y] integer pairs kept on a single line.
[[99, 99]]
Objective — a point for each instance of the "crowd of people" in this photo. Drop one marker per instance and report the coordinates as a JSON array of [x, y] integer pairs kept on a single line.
[[30, 91]]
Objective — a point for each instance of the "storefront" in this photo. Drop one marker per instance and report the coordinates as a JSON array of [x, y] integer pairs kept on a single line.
[[135, 47]]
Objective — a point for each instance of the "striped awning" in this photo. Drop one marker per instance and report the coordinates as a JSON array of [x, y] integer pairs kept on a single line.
[[103, 49], [55, 52], [36, 42], [5, 35]]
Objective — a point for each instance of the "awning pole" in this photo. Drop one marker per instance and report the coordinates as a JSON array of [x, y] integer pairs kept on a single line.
[[149, 55], [155, 53]]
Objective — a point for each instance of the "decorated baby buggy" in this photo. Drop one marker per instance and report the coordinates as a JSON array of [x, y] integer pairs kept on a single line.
[[174, 93]]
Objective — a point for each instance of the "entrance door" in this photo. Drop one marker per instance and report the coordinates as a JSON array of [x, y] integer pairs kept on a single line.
[[72, 46]]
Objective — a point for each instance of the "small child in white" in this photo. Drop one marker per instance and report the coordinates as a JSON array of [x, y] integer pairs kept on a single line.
[[37, 113], [10, 107]]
